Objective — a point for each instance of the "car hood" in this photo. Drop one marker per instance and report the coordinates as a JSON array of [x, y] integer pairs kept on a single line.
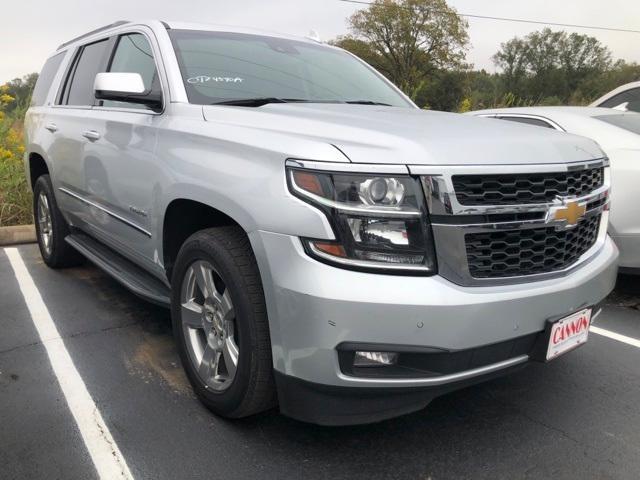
[[393, 135]]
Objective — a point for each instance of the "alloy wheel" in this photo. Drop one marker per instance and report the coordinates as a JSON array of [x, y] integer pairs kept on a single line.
[[208, 323], [44, 223]]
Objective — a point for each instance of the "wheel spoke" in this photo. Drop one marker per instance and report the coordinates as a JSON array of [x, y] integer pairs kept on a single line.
[[226, 306], [44, 222], [230, 354], [204, 279], [192, 315], [209, 364], [42, 217]]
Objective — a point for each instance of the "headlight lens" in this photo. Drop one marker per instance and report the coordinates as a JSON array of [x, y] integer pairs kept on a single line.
[[380, 221]]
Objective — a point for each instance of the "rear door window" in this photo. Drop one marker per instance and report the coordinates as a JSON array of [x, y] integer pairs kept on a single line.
[[45, 79], [133, 54], [90, 61]]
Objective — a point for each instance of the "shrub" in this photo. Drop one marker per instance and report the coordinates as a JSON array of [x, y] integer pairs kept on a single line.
[[15, 197]]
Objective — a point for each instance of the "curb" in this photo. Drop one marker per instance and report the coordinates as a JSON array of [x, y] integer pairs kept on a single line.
[[17, 234]]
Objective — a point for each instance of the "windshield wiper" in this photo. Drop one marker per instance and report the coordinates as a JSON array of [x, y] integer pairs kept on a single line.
[[258, 102], [367, 102]]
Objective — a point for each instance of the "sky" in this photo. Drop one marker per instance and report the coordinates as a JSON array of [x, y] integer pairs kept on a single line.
[[32, 29]]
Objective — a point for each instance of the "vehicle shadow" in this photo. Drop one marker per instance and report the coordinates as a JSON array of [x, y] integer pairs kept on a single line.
[[626, 293]]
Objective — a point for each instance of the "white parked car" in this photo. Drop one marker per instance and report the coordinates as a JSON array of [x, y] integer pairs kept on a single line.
[[618, 133], [625, 98]]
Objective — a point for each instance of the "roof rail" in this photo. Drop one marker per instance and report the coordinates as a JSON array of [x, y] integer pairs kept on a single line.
[[97, 30]]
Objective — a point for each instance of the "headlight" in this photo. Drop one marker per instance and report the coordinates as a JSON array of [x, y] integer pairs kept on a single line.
[[380, 221]]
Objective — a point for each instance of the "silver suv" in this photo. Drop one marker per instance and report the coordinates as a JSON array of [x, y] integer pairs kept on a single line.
[[322, 243]]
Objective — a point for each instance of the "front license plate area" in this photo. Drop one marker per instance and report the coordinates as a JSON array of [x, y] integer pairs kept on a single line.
[[568, 333]]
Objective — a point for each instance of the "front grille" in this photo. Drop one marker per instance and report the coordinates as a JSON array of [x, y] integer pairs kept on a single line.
[[525, 188], [513, 253]]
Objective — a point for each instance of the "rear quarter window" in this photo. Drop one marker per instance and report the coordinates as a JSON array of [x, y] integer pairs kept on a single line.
[[528, 121], [45, 79]]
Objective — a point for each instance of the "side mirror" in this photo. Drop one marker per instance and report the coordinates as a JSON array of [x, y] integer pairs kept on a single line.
[[125, 87]]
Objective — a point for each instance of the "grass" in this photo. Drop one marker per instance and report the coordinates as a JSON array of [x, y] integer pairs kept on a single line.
[[15, 196]]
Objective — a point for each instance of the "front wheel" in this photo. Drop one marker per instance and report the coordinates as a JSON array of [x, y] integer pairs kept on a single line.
[[220, 323]]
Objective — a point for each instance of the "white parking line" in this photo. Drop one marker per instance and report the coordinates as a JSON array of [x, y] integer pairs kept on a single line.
[[615, 336], [104, 452]]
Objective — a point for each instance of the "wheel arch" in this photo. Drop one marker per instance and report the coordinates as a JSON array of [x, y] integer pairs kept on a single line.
[[182, 218], [36, 167]]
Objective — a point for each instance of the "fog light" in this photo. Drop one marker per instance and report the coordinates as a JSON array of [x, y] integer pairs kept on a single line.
[[375, 359]]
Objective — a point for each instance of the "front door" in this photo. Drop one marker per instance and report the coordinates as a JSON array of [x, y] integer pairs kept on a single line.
[[120, 165]]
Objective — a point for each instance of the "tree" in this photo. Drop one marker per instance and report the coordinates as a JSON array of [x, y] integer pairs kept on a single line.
[[20, 89], [596, 86], [408, 40], [547, 64], [445, 91]]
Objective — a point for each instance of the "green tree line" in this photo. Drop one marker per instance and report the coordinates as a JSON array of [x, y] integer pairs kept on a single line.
[[421, 46]]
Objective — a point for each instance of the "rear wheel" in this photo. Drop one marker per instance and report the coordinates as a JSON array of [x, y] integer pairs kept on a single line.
[[220, 323], [51, 227]]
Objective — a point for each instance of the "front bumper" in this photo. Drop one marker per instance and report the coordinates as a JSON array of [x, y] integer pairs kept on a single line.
[[314, 307]]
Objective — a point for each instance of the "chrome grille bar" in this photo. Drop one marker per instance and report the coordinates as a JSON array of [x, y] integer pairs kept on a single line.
[[452, 222]]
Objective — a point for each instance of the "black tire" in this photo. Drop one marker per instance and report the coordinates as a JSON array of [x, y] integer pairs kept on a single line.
[[58, 253], [228, 251]]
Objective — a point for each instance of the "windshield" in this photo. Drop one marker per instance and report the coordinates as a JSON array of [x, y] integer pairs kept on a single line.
[[630, 121], [221, 67]]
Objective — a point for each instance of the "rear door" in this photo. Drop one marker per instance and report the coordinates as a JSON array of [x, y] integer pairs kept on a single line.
[[71, 126]]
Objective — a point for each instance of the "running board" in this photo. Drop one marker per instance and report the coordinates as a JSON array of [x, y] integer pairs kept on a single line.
[[124, 271]]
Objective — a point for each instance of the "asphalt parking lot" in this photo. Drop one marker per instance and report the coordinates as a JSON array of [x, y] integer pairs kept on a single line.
[[577, 417]]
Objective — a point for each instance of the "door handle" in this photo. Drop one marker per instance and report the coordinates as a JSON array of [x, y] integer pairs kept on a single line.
[[52, 127], [91, 135]]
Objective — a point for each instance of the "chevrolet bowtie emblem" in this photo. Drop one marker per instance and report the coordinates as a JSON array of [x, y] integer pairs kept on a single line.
[[570, 213]]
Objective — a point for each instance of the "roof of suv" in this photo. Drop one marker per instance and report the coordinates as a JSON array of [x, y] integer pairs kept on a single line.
[[188, 26], [234, 29]]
